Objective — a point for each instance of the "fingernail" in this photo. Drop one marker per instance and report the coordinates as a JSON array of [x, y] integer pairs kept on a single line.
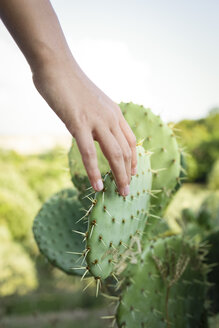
[[98, 185], [134, 170], [125, 191]]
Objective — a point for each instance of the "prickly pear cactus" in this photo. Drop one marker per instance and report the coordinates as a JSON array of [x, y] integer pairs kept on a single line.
[[154, 227], [160, 140], [53, 233], [114, 220], [167, 288]]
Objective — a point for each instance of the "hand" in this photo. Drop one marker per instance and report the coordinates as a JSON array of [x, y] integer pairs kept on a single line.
[[90, 115], [85, 110]]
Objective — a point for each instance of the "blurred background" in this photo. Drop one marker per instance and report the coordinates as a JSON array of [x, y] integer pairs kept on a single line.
[[161, 54]]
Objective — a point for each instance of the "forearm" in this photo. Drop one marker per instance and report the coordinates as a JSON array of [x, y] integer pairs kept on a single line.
[[35, 27], [85, 110]]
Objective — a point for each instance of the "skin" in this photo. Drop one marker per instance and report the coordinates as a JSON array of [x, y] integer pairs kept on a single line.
[[86, 111]]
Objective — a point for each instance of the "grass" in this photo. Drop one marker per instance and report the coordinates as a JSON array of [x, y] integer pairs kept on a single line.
[[43, 302], [65, 319]]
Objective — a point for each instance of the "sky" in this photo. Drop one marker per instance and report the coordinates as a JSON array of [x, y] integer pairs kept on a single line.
[[161, 54]]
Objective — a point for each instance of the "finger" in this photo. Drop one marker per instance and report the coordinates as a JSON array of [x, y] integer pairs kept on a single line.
[[127, 153], [131, 139], [87, 149], [113, 152]]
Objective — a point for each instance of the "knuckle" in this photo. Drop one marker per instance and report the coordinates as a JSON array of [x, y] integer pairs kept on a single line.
[[117, 154], [89, 154], [127, 155]]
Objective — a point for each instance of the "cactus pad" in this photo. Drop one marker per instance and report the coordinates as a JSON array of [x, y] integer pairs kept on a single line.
[[114, 220], [160, 140], [167, 289], [53, 227]]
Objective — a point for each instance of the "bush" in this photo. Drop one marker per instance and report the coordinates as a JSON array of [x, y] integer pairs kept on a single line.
[[200, 138], [17, 274], [213, 177], [18, 204], [43, 177]]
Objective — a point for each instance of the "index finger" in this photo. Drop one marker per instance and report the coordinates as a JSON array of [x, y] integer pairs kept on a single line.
[[87, 149]]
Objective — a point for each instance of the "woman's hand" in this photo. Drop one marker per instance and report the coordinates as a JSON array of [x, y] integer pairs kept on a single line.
[[85, 110], [90, 115]]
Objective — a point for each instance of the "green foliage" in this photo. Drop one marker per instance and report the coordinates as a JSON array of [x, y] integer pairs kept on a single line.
[[167, 288], [213, 177], [208, 214], [201, 139], [43, 177], [45, 173], [17, 274], [205, 155], [212, 260], [53, 227], [18, 203]]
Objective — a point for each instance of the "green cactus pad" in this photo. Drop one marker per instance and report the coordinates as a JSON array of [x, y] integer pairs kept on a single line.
[[114, 220], [160, 140], [154, 227], [53, 233], [167, 289]]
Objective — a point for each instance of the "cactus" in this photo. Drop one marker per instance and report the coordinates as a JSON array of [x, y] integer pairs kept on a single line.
[[160, 140], [163, 276], [114, 220], [167, 288], [53, 233], [212, 259]]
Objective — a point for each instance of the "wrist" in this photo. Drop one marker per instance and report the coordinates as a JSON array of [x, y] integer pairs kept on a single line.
[[46, 59]]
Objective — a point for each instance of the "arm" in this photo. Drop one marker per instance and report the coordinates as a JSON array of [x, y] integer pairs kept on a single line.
[[85, 110]]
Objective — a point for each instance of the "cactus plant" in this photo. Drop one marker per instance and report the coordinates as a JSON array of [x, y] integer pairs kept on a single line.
[[53, 227], [163, 276], [158, 138], [167, 288], [212, 259], [114, 220]]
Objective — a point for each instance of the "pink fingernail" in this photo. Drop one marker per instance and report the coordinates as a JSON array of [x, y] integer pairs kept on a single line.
[[98, 186], [134, 170], [125, 191]]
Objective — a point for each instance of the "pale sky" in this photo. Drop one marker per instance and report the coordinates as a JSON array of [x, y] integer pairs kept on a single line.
[[162, 54]]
